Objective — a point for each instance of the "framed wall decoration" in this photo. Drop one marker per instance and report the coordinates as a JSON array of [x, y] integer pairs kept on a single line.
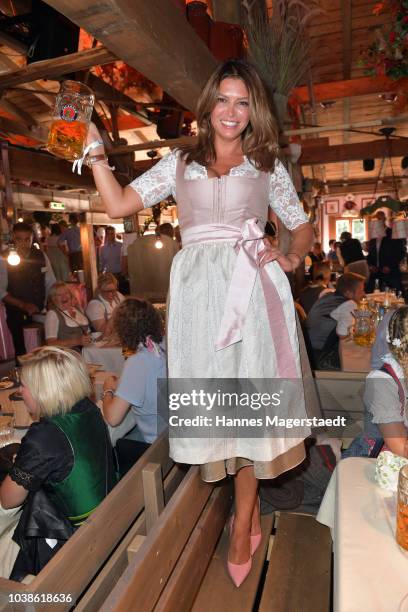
[[332, 207]]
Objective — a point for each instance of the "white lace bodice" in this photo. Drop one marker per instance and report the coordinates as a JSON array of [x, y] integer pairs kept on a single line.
[[159, 183]]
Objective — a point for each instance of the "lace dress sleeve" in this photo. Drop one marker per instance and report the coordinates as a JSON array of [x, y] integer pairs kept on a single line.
[[284, 200], [159, 182]]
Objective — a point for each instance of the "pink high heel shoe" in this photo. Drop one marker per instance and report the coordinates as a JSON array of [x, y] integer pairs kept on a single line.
[[256, 539], [238, 571]]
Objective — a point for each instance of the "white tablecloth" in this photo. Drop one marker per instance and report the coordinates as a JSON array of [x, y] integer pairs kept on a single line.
[[110, 358], [370, 570]]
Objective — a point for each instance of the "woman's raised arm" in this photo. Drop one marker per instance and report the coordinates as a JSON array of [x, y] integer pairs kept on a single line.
[[118, 201]]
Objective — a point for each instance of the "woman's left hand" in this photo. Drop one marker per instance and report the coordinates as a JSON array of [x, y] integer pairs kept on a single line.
[[270, 253]]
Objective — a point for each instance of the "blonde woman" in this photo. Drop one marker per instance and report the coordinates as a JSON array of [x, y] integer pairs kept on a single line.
[[107, 297], [65, 324], [66, 453], [231, 313]]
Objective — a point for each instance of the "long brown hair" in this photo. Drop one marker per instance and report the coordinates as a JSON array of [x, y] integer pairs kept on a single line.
[[398, 337], [260, 137]]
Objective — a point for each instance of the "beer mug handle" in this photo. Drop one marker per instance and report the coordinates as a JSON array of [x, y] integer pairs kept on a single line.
[[77, 165]]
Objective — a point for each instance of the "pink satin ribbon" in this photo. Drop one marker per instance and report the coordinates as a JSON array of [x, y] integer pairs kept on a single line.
[[248, 242]]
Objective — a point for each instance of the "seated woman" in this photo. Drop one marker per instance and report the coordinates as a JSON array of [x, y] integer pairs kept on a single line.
[[139, 328], [65, 458], [386, 413], [101, 308], [65, 324]]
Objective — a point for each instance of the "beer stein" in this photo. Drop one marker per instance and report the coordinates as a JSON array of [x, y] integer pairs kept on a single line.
[[402, 509], [72, 114], [364, 325]]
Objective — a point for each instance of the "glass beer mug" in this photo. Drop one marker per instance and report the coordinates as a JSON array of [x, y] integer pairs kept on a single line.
[[402, 509], [364, 325], [72, 114]]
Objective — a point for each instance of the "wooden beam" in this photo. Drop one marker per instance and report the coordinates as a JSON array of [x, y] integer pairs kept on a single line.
[[26, 119], [338, 127], [13, 43], [13, 127], [56, 67], [43, 168], [346, 17], [362, 186], [375, 149], [348, 88], [153, 37], [153, 144], [229, 11], [89, 256], [104, 90]]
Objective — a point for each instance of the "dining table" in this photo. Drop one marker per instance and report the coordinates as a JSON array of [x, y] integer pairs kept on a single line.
[[370, 569]]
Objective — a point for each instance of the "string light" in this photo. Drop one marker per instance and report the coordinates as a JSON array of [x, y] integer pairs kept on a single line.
[[158, 244]]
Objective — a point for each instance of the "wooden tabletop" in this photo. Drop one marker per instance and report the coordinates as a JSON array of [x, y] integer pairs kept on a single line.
[[354, 358]]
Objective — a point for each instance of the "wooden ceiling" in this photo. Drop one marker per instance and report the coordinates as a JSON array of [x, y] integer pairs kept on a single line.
[[156, 39]]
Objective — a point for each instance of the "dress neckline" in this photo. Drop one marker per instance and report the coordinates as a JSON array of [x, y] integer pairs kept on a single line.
[[212, 178]]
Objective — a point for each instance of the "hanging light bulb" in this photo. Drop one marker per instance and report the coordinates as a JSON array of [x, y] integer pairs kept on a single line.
[[158, 244], [13, 257], [20, 219]]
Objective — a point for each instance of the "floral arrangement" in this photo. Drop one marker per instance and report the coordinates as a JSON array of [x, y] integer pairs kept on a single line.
[[388, 54], [278, 42]]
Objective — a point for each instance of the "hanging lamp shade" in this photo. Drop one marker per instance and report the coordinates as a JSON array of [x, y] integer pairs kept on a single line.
[[376, 229], [399, 229]]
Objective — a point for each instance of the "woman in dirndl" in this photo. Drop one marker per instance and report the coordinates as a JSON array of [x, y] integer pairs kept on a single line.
[[231, 312]]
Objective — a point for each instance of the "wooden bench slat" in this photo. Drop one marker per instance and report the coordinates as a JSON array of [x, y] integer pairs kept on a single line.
[[103, 584], [298, 576], [186, 578], [152, 493], [217, 592], [74, 566], [146, 575]]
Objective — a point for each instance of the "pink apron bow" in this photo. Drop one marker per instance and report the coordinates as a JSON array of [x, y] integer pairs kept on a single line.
[[249, 241]]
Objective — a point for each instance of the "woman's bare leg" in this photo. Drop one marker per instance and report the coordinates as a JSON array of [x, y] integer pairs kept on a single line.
[[246, 520]]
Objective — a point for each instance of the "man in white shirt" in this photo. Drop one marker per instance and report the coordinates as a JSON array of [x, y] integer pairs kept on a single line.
[[331, 318]]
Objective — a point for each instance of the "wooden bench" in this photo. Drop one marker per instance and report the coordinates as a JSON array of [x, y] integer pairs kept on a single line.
[[181, 563], [92, 559], [166, 570], [290, 571]]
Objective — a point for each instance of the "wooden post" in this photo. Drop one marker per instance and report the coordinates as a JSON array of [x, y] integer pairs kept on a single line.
[[153, 493], [89, 256], [10, 206]]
